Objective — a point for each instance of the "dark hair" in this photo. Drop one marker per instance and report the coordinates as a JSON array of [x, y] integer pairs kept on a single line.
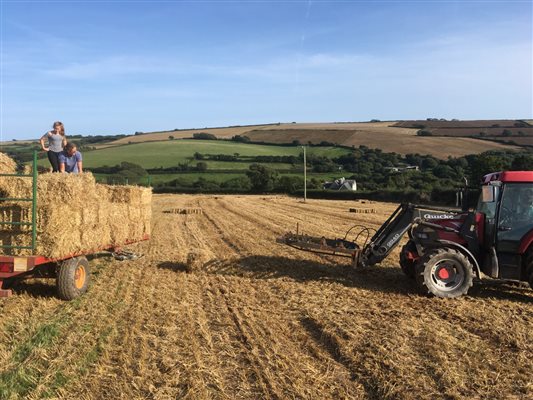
[[70, 146]]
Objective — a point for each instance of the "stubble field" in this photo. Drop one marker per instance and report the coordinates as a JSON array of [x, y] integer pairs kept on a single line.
[[382, 135], [260, 320]]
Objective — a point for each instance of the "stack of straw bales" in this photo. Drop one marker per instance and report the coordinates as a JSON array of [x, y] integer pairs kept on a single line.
[[74, 213]]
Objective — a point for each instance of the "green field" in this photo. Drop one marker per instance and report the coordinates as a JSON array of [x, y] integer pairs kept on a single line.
[[171, 153], [186, 177]]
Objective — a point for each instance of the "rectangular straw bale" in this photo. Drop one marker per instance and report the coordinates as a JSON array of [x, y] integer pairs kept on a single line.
[[15, 187], [74, 214], [120, 223], [14, 212], [75, 189], [7, 164], [10, 239], [136, 222]]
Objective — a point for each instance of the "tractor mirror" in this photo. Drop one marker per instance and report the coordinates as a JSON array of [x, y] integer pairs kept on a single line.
[[488, 194]]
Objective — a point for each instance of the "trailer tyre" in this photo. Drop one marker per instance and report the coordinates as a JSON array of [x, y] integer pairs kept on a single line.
[[408, 265], [444, 272], [73, 278]]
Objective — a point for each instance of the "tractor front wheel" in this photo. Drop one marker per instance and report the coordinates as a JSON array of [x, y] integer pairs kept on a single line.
[[407, 263], [444, 272], [73, 278]]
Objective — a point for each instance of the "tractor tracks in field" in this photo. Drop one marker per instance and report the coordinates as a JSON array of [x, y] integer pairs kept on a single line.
[[260, 345], [123, 355], [247, 231], [343, 218], [270, 351], [248, 340], [255, 229], [331, 344], [322, 211], [220, 233], [288, 220]]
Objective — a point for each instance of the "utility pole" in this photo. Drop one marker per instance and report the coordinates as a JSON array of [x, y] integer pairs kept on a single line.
[[305, 176]]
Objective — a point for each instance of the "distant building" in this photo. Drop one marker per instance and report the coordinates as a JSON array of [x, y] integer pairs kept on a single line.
[[341, 184], [403, 169]]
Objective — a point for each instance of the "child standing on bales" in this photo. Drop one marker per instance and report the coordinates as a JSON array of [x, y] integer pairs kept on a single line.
[[70, 159], [56, 141]]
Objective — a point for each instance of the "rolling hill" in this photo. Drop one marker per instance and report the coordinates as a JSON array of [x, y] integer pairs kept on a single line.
[[383, 135]]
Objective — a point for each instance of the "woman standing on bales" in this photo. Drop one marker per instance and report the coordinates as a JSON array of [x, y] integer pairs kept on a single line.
[[56, 141]]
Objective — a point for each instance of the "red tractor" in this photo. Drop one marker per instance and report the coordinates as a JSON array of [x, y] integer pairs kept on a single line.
[[447, 248]]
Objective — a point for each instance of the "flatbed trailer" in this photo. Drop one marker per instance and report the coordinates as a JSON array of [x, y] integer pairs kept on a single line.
[[72, 272]]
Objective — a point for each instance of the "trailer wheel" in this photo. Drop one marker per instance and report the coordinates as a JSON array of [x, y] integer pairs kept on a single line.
[[407, 264], [445, 272], [73, 278]]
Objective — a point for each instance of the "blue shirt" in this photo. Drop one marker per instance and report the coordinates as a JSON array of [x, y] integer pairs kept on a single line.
[[71, 162]]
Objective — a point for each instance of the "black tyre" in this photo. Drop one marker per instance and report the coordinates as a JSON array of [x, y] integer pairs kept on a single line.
[[444, 272], [73, 278], [408, 265]]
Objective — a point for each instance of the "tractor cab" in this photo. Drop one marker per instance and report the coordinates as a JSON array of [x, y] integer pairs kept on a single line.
[[505, 215]]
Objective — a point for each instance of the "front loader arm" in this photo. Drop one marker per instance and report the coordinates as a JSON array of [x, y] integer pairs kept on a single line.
[[375, 249], [394, 228], [388, 235]]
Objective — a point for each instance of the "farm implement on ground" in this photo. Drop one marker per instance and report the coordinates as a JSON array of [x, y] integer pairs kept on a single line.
[[448, 248]]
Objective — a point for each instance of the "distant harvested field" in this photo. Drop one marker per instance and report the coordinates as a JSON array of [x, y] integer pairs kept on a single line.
[[332, 125], [304, 136], [502, 123], [520, 140], [227, 133], [487, 129], [380, 135], [258, 320], [17, 142], [223, 133], [489, 132], [399, 140]]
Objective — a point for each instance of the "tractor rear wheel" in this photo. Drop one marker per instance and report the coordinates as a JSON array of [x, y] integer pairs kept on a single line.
[[444, 272], [73, 278], [407, 264]]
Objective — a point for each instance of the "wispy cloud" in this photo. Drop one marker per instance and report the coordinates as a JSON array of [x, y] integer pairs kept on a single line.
[[108, 67]]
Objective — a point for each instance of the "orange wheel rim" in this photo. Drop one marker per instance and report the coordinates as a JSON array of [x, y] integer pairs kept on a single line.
[[79, 277]]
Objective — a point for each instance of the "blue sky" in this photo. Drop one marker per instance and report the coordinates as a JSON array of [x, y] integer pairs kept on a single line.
[[110, 67]]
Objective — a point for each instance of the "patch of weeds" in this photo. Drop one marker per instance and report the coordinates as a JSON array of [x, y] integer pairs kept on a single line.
[[59, 381], [10, 329], [43, 337], [18, 382], [94, 354], [98, 268]]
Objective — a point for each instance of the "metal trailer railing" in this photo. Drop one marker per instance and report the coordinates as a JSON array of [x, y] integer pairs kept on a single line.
[[33, 201]]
